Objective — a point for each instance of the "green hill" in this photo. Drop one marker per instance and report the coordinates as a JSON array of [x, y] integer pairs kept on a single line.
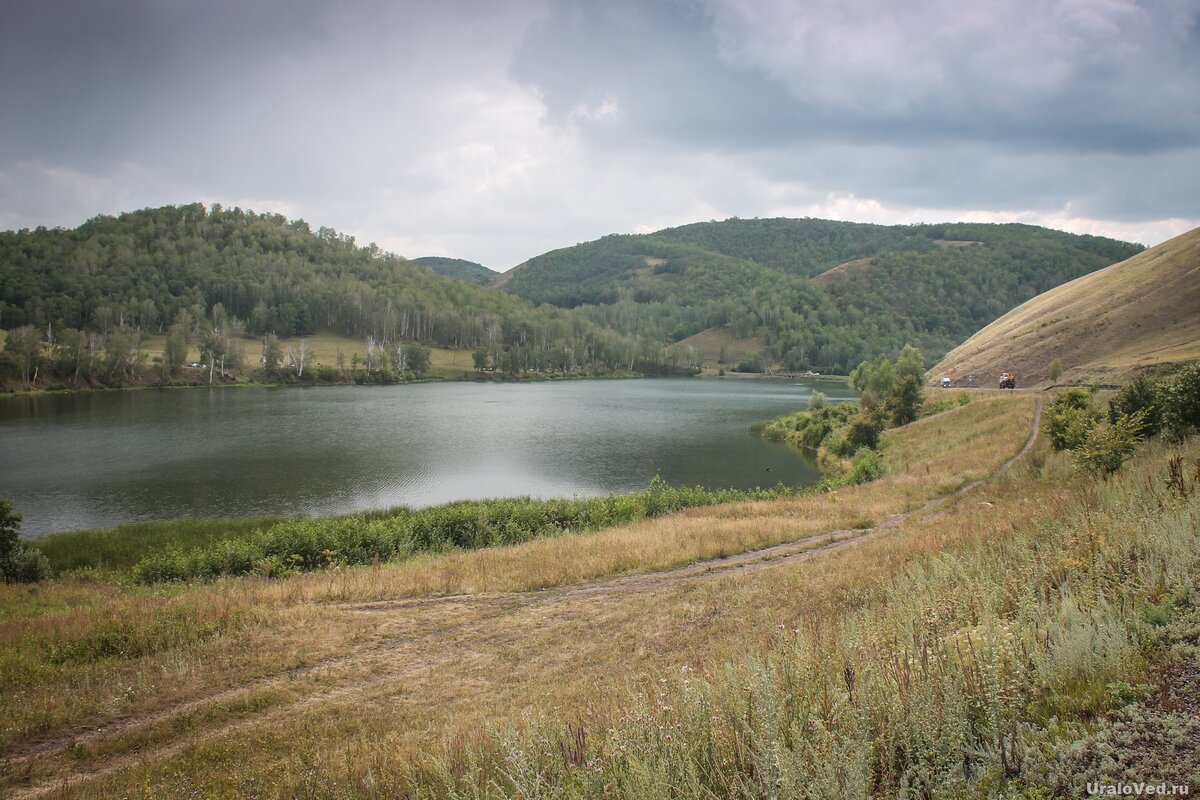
[[458, 268], [803, 294], [822, 295], [1101, 328], [138, 272]]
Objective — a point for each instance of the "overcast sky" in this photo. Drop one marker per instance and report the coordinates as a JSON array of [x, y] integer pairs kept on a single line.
[[499, 129]]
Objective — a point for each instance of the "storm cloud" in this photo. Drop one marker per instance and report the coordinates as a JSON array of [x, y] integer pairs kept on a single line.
[[497, 130]]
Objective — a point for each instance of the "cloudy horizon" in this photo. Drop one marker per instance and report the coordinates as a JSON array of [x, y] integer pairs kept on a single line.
[[495, 131]]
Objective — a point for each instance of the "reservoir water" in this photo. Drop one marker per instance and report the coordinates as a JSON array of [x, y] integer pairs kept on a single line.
[[96, 459]]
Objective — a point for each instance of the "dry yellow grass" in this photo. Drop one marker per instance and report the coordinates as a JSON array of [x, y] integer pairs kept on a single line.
[[1142, 312], [842, 271], [709, 343], [307, 671]]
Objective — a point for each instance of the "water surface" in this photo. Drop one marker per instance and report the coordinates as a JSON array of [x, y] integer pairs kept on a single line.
[[97, 459]]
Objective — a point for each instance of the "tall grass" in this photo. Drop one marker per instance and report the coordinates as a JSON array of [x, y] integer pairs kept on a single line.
[[121, 547], [961, 677]]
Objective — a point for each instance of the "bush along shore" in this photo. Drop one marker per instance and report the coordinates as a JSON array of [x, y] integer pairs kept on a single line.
[[190, 550], [844, 438]]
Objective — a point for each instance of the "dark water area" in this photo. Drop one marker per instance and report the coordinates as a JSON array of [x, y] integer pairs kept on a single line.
[[93, 460]]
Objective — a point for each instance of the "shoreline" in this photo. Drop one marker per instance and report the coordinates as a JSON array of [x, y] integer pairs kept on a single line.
[[48, 391]]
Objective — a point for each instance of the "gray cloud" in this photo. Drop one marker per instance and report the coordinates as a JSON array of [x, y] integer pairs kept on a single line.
[[497, 130], [731, 73]]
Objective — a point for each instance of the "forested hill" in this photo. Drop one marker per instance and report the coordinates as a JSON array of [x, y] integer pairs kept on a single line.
[[814, 294], [822, 294], [458, 268], [139, 270]]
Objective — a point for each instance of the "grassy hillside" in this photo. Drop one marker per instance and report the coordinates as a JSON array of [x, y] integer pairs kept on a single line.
[[1142, 312], [718, 348], [457, 268], [864, 653], [822, 295]]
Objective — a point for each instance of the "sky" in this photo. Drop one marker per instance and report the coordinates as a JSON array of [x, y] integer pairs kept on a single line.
[[499, 129]]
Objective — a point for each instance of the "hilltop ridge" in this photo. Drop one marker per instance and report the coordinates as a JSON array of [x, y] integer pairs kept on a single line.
[[1137, 314]]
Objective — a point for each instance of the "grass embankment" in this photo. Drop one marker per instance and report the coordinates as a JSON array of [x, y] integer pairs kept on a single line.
[[372, 537], [159, 666]]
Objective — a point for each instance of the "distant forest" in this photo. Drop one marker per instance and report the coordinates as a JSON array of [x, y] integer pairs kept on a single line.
[[824, 295]]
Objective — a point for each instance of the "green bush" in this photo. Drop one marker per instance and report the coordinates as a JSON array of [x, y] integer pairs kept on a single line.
[[19, 563], [864, 429], [1071, 418], [1107, 447], [1181, 403], [866, 466], [1141, 394], [24, 564]]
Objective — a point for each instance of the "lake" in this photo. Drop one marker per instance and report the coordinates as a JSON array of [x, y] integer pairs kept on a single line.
[[96, 459]]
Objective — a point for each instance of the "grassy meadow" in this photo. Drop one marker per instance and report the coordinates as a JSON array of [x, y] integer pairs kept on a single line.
[[952, 652], [325, 346], [710, 343]]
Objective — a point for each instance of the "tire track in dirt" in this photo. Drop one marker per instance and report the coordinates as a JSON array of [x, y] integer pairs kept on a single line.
[[385, 661]]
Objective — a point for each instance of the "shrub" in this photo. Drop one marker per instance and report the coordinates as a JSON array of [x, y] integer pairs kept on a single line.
[[1142, 394], [1181, 403], [19, 563], [1071, 418], [866, 466], [864, 429], [1107, 447], [24, 564]]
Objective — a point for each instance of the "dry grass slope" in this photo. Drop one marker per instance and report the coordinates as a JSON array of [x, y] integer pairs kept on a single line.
[[1102, 327], [709, 344], [843, 271], [235, 687]]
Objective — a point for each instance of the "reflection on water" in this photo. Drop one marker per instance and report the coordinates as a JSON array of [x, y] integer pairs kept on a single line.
[[97, 459]]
